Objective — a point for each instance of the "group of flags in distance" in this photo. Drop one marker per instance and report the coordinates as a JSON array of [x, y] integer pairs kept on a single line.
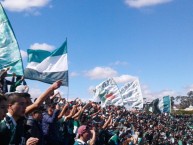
[[129, 95], [42, 65]]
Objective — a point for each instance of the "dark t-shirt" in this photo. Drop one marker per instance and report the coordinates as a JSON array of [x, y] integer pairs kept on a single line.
[[12, 134]]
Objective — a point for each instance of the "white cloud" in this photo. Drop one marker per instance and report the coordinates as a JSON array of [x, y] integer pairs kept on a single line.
[[74, 74], [150, 95], [24, 5], [124, 78], [101, 73], [145, 3], [23, 54], [42, 46]]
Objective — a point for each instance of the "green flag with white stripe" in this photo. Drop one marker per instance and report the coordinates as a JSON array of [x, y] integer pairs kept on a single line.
[[48, 66], [9, 49]]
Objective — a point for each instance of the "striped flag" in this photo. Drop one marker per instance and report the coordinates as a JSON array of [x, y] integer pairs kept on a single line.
[[47, 66], [165, 104], [9, 49], [162, 105]]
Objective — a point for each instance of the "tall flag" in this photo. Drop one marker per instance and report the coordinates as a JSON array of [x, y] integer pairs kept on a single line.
[[162, 105], [165, 104], [9, 49], [131, 94], [155, 106], [47, 66], [108, 93]]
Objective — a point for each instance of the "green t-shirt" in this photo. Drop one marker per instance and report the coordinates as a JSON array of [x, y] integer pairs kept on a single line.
[[114, 140], [78, 142], [180, 142]]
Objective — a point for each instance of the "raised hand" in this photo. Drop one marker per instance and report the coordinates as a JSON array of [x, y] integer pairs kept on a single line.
[[56, 84], [32, 141]]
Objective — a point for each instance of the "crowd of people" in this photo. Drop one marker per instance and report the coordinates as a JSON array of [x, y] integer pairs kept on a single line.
[[53, 120]]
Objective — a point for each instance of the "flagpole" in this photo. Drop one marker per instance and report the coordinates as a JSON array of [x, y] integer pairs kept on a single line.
[[68, 73], [140, 91], [67, 93]]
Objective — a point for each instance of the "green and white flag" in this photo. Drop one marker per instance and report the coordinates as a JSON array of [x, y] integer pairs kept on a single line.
[[161, 105], [108, 93], [48, 66], [165, 104], [9, 50]]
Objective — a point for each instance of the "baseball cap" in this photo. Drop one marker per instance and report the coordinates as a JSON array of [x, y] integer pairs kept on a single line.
[[82, 129]]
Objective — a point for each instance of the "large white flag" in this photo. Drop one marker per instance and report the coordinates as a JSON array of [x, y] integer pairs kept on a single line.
[[47, 66], [131, 94], [108, 93]]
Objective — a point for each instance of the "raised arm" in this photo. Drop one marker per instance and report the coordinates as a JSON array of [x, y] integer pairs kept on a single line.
[[71, 113], [94, 114], [43, 97], [107, 122], [93, 139], [78, 114], [63, 111]]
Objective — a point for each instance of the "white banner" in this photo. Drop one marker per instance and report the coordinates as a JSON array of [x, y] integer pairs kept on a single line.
[[132, 96], [108, 93]]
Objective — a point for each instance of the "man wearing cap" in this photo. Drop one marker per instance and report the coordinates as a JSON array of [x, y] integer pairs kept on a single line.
[[85, 134]]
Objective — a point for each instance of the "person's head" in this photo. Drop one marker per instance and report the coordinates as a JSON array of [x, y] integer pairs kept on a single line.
[[27, 98], [50, 109], [3, 107], [16, 105], [84, 133], [37, 115]]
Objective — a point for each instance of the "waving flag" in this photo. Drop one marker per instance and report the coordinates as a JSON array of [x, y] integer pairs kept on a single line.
[[47, 66], [165, 104], [131, 94], [108, 93], [9, 50], [162, 105]]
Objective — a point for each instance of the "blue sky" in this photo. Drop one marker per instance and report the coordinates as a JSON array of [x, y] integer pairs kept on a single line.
[[148, 39]]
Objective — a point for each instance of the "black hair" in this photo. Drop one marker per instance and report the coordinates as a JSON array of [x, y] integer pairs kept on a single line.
[[13, 97], [25, 95], [37, 111], [52, 105]]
